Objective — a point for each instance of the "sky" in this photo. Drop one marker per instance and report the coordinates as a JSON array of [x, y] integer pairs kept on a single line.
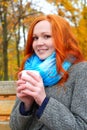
[[43, 6]]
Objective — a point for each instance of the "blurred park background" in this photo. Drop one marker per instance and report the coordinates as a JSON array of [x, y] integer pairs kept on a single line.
[[16, 17]]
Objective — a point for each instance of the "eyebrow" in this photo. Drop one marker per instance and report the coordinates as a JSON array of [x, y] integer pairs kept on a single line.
[[43, 33]]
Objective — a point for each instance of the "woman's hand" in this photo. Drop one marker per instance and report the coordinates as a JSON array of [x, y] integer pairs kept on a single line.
[[30, 87], [34, 86]]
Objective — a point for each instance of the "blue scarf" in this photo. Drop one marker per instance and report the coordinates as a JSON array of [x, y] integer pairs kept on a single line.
[[47, 68]]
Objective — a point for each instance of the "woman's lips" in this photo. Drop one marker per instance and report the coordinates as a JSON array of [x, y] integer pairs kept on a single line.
[[42, 50]]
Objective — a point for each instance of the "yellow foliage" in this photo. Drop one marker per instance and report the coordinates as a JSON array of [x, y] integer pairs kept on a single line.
[[4, 3], [82, 36], [15, 1]]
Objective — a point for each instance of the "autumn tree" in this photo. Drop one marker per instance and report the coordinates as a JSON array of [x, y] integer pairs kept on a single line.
[[13, 16], [3, 17], [82, 29]]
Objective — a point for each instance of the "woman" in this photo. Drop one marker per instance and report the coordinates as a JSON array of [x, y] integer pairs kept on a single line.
[[52, 95]]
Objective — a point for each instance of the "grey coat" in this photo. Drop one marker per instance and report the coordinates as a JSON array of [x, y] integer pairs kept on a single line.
[[66, 108]]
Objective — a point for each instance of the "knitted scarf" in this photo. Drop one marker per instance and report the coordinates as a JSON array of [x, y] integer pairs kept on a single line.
[[46, 68]]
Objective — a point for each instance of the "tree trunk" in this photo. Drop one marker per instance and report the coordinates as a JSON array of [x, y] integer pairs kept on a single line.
[[5, 44]]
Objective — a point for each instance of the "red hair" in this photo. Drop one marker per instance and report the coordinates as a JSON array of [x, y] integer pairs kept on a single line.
[[65, 42]]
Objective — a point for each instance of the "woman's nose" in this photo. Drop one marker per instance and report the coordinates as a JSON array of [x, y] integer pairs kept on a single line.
[[40, 41]]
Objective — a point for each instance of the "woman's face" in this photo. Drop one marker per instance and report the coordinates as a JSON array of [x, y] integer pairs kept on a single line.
[[43, 40]]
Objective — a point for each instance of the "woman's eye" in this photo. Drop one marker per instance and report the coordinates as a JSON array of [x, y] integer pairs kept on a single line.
[[35, 38], [47, 36]]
